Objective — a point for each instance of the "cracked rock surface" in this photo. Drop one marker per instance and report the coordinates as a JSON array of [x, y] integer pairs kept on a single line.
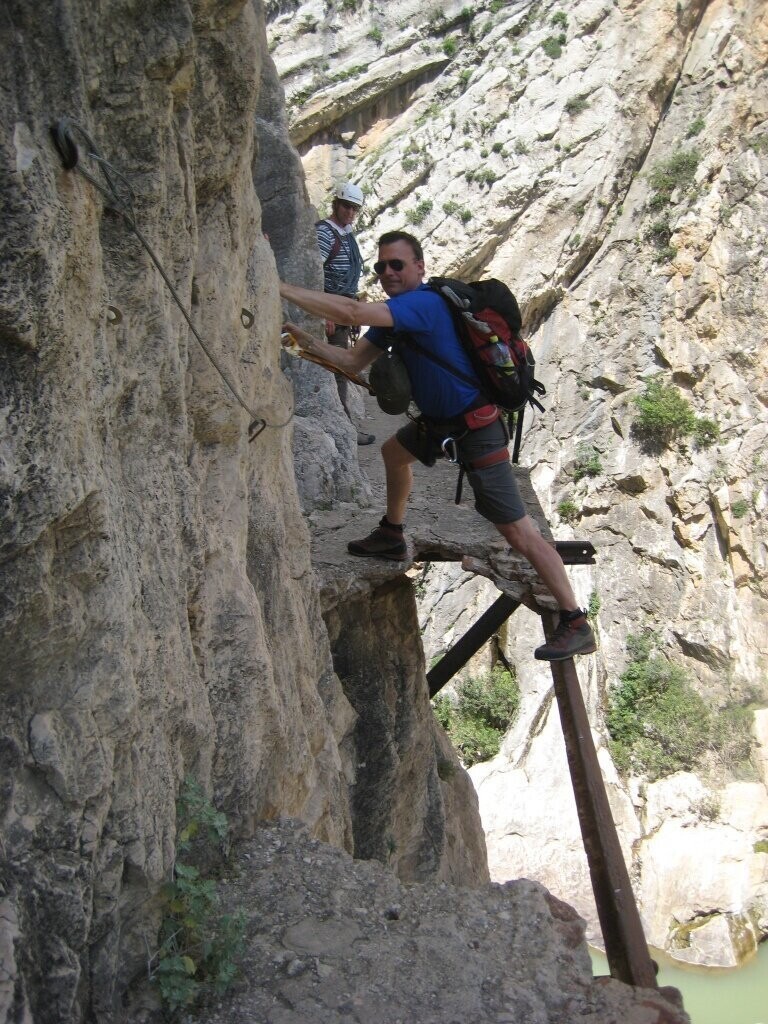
[[344, 942]]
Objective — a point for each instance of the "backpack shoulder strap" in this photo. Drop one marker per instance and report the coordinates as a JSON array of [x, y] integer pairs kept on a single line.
[[336, 247], [409, 341]]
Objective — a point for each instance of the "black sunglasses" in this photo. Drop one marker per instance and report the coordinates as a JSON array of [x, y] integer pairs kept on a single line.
[[348, 205], [381, 266]]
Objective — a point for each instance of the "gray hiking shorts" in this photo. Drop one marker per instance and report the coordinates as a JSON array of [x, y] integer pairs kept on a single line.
[[497, 496]]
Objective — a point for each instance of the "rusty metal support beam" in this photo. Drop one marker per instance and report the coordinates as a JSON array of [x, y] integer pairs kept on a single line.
[[478, 634], [625, 945], [576, 552]]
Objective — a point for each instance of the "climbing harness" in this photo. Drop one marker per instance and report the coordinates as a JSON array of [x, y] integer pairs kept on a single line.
[[473, 419], [120, 196]]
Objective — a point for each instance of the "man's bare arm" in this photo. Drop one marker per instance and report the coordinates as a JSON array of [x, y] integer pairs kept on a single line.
[[338, 308], [355, 359]]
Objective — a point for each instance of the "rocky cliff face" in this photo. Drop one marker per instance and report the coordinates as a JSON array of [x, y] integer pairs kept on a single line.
[[535, 143], [160, 615]]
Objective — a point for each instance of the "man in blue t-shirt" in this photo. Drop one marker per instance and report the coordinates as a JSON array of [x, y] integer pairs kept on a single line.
[[450, 407]]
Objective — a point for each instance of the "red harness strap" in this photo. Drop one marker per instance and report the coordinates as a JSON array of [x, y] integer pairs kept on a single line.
[[491, 459], [482, 417]]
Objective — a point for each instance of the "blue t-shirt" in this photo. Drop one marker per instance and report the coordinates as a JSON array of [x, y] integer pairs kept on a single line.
[[424, 314]]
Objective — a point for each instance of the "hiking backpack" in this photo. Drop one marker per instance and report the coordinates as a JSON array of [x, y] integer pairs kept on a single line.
[[488, 322]]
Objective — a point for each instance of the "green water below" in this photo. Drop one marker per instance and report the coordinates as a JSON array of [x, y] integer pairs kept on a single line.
[[712, 996]]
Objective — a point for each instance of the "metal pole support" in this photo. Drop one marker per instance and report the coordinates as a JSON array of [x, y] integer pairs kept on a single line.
[[478, 634], [625, 945]]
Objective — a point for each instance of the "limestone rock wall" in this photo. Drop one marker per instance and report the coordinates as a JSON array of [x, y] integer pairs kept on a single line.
[[407, 788], [159, 615], [518, 140]]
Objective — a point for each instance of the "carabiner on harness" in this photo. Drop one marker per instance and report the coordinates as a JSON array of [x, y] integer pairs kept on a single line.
[[450, 451]]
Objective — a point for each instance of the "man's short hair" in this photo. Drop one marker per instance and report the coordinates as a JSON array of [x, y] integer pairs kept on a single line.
[[390, 237]]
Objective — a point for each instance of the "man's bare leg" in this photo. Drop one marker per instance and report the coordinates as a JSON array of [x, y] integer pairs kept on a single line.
[[523, 535], [573, 634], [387, 539], [398, 463]]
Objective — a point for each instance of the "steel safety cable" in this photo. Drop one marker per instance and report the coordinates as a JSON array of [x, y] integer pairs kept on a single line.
[[120, 195]]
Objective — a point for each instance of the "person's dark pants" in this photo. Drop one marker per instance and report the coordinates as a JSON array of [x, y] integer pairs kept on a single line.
[[340, 339]]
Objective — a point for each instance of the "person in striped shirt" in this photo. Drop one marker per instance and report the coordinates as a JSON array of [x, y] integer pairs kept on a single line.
[[342, 266]]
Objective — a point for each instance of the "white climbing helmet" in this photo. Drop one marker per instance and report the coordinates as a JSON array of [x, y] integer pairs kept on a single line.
[[349, 193]]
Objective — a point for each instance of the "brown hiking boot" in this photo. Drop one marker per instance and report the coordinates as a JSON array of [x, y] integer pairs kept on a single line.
[[573, 636], [384, 542]]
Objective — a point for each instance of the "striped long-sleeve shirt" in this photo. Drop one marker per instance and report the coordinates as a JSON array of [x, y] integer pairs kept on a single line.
[[342, 272]]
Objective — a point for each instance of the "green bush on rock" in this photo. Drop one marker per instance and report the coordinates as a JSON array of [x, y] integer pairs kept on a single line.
[[199, 946], [658, 724], [482, 712], [664, 417]]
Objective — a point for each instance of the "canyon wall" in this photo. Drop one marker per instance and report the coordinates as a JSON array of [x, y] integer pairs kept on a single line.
[[161, 616], [546, 144]]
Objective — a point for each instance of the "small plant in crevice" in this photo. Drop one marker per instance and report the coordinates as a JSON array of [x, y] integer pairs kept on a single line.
[[553, 46], [708, 807], [480, 715], [587, 462], [568, 511], [663, 415], [464, 76], [740, 508], [657, 723], [706, 432], [418, 214], [199, 946], [576, 104], [667, 176], [660, 234], [485, 176], [694, 127]]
